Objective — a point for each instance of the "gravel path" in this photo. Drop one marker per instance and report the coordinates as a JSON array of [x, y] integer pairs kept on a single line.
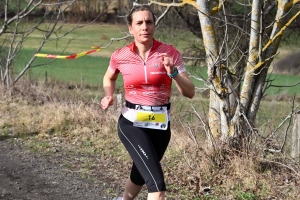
[[25, 175]]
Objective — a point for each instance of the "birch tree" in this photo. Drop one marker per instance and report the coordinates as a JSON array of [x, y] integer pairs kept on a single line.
[[233, 107]]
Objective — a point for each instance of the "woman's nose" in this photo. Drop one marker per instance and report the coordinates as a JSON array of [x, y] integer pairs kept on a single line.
[[144, 25]]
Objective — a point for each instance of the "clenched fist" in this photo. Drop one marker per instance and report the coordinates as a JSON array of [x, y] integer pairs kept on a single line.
[[106, 102]]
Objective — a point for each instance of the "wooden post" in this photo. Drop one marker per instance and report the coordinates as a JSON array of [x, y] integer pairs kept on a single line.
[[82, 82], [118, 106], [46, 77], [119, 102], [295, 153]]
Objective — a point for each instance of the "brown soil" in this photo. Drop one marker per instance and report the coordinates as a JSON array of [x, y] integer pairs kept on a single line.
[[26, 175]]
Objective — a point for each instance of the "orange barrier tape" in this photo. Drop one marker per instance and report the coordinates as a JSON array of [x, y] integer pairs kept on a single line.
[[70, 57]]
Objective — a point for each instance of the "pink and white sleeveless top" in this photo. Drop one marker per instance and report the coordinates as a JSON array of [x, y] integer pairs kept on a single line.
[[145, 82]]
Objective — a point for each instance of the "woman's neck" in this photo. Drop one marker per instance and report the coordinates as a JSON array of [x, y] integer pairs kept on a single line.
[[143, 49]]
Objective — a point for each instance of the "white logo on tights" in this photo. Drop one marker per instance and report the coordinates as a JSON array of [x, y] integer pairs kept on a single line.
[[143, 152]]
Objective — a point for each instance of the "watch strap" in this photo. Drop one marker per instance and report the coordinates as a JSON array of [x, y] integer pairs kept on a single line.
[[175, 73]]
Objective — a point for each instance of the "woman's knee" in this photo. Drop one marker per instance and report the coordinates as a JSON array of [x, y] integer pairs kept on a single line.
[[157, 186]]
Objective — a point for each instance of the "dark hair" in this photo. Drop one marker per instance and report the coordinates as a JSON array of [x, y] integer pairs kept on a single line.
[[137, 8]]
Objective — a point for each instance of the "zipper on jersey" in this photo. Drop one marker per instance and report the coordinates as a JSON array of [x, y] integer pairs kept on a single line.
[[145, 71], [145, 68], [144, 63]]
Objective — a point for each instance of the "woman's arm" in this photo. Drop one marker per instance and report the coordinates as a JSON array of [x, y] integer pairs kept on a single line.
[[109, 85], [183, 82], [185, 85]]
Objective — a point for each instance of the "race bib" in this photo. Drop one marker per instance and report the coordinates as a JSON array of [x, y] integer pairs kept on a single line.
[[156, 119]]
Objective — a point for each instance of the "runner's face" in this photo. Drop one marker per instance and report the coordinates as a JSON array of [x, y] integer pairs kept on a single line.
[[142, 26]]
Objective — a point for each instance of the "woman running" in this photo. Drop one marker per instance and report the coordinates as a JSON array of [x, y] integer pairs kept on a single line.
[[148, 68]]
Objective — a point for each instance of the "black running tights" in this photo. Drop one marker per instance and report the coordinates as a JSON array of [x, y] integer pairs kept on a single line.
[[146, 148]]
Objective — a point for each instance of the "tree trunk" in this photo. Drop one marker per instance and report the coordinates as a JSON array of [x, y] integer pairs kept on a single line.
[[295, 153], [268, 52], [211, 49], [247, 89]]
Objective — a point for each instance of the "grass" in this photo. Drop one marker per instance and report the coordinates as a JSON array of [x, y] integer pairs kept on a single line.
[[282, 83], [12, 6], [83, 39], [79, 40], [88, 69]]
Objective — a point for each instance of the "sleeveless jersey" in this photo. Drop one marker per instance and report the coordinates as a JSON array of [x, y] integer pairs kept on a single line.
[[146, 82]]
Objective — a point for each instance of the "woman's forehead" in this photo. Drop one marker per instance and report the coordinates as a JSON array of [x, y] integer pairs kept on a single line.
[[142, 15]]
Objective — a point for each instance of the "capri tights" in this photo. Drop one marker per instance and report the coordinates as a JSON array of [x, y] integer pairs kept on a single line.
[[146, 148]]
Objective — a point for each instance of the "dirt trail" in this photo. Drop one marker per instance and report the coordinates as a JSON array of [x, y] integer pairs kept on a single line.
[[24, 176]]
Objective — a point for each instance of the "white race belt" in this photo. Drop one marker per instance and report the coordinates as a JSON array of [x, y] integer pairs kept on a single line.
[[153, 117]]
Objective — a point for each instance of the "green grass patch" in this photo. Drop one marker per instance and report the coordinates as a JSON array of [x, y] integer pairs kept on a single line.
[[247, 196], [79, 40], [13, 5], [87, 70], [82, 39], [282, 83]]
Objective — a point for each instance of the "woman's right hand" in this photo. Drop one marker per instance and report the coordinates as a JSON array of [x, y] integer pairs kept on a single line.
[[106, 102]]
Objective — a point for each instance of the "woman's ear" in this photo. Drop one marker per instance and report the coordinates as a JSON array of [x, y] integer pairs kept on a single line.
[[130, 29]]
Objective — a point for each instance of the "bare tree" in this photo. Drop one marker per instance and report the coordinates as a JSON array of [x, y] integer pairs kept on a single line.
[[237, 83], [18, 24]]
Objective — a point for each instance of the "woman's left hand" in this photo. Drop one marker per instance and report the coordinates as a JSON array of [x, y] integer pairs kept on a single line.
[[168, 63], [184, 84]]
